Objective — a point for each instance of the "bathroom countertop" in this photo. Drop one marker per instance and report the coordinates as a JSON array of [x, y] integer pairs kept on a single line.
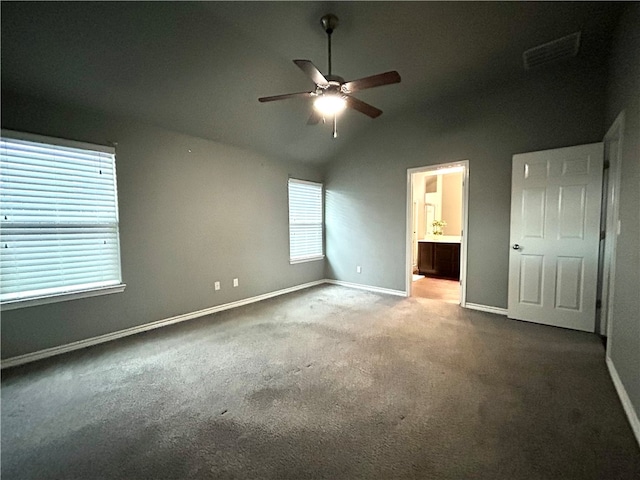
[[441, 239]]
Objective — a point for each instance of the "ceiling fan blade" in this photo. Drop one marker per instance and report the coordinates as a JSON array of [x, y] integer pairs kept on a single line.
[[363, 107], [312, 71], [314, 118], [372, 81], [286, 95]]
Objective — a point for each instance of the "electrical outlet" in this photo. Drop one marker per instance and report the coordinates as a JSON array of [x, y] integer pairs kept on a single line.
[[216, 285], [235, 282], [358, 269]]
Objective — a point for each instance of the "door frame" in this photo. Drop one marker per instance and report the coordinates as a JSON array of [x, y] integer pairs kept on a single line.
[[465, 224], [615, 132]]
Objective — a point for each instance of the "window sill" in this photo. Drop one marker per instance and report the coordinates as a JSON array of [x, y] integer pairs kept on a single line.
[[62, 297], [306, 259]]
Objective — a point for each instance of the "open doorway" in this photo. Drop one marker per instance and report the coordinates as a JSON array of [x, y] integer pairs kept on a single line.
[[609, 227], [436, 231]]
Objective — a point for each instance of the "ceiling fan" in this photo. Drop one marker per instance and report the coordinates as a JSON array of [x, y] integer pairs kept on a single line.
[[332, 93]]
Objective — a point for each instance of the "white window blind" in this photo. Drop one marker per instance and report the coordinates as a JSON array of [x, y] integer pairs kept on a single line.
[[305, 221], [59, 217]]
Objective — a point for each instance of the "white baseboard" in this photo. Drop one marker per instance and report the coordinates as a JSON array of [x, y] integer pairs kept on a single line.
[[369, 288], [69, 347], [486, 308], [624, 399]]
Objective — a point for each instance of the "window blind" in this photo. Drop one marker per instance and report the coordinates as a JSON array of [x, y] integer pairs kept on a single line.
[[59, 217], [305, 221]]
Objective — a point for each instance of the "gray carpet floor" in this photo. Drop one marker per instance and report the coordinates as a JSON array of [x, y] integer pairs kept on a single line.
[[329, 383]]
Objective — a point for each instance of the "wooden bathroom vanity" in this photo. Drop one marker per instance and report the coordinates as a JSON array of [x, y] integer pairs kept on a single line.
[[439, 256]]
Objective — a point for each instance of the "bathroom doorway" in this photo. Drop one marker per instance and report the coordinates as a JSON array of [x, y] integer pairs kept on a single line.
[[437, 221]]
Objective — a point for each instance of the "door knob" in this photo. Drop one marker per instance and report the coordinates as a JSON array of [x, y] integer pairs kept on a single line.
[[516, 246]]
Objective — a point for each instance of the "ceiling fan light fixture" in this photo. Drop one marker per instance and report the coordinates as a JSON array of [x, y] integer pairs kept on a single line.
[[330, 104], [332, 94]]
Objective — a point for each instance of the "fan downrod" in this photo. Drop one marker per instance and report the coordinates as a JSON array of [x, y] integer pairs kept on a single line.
[[329, 23]]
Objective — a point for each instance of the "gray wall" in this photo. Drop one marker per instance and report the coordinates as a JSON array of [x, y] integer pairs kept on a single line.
[[624, 94], [366, 184], [187, 219]]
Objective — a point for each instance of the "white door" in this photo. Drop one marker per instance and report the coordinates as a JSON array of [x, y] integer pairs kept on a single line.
[[555, 218]]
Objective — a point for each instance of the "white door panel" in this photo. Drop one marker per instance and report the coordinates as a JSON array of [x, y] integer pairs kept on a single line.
[[530, 279], [555, 215]]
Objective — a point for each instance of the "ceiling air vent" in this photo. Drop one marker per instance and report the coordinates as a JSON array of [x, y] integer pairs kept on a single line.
[[560, 49]]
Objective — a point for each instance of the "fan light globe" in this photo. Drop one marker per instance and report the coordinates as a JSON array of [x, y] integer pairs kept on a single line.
[[330, 104]]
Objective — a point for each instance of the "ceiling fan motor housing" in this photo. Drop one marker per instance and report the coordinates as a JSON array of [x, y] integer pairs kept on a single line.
[[334, 88]]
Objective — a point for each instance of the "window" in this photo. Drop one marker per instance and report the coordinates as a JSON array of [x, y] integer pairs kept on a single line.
[[305, 221], [59, 220]]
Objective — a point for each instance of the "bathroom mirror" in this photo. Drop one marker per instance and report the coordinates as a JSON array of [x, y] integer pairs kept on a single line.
[[430, 216]]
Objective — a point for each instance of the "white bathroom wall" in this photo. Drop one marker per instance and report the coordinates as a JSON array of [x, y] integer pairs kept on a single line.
[[452, 203], [447, 201]]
